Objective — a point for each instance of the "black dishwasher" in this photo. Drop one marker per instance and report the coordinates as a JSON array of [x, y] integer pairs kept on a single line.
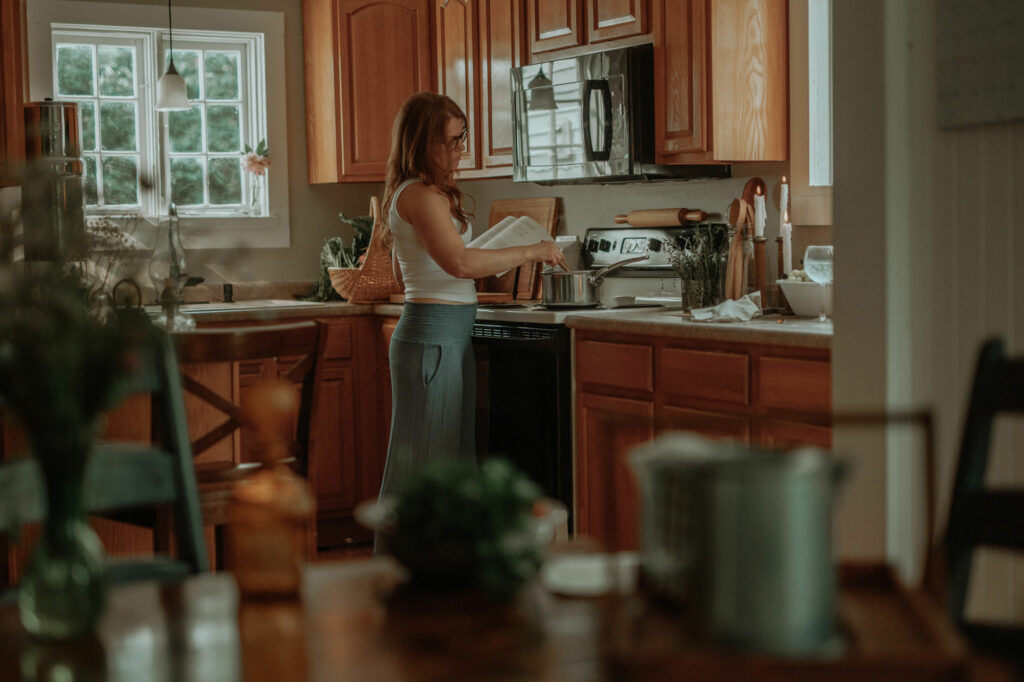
[[524, 401]]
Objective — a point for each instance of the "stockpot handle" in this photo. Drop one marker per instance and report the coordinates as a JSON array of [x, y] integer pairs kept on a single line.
[[598, 277]]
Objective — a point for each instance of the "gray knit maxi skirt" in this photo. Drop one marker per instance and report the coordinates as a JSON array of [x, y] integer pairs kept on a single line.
[[433, 390]]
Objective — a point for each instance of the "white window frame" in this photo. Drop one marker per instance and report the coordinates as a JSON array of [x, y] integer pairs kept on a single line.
[[213, 228]]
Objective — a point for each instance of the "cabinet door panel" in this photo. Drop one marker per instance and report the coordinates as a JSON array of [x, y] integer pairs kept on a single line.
[[320, 61], [795, 385], [710, 424], [750, 59], [501, 49], [610, 19], [332, 442], [384, 55], [619, 365], [554, 24], [12, 96], [250, 373], [681, 92], [456, 55], [705, 375], [607, 498]]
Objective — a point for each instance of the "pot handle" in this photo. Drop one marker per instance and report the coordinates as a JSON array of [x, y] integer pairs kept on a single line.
[[598, 277]]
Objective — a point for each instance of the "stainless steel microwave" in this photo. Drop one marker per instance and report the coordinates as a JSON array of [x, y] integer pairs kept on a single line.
[[590, 119]]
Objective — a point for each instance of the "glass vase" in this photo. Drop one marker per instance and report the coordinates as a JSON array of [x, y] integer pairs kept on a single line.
[[63, 590]]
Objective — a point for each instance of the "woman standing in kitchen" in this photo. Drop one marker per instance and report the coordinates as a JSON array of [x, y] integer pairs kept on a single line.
[[433, 373]]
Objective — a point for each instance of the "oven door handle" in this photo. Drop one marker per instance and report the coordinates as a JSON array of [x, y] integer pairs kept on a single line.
[[553, 345]]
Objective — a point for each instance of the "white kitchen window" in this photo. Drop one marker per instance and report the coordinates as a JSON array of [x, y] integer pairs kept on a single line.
[[190, 156], [810, 106], [137, 159]]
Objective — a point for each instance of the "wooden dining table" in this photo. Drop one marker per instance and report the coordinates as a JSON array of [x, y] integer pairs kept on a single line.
[[358, 620]]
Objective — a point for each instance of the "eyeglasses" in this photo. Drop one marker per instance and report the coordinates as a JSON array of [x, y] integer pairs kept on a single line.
[[459, 139]]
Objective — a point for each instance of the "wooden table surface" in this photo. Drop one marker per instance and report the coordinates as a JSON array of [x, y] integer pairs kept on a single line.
[[356, 622]]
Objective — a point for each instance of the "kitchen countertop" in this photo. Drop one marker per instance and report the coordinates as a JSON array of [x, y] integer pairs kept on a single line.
[[780, 330], [772, 329]]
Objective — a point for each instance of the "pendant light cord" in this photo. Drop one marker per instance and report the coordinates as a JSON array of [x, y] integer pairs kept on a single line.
[[170, 30]]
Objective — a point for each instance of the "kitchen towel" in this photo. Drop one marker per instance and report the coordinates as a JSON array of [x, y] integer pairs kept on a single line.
[[741, 310]]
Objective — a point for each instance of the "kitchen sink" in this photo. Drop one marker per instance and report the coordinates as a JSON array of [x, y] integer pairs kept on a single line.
[[237, 306]]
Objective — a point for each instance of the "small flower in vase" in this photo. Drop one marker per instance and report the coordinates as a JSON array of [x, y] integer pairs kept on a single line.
[[256, 162]]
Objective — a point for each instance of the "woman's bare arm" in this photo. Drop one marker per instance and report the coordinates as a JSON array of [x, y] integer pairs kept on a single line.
[[429, 213]]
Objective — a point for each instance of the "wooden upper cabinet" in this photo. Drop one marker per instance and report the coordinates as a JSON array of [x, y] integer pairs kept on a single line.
[[363, 59], [681, 123], [455, 44], [721, 80], [501, 40], [554, 25], [12, 94], [749, 44], [611, 19]]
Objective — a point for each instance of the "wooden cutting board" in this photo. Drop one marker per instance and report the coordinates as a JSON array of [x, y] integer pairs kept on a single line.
[[524, 281]]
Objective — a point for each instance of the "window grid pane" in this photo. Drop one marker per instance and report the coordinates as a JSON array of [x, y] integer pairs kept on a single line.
[[109, 117], [76, 70], [209, 136]]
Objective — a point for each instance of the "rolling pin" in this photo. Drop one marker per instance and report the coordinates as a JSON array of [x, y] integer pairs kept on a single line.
[[661, 217]]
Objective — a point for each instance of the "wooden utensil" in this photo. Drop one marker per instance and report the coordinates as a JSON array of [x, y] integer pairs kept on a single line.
[[750, 189], [734, 266], [661, 217]]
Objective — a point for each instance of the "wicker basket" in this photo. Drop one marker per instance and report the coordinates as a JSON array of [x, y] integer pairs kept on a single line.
[[373, 280]]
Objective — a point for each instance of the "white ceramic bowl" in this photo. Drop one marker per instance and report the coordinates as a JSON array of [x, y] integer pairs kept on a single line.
[[805, 297]]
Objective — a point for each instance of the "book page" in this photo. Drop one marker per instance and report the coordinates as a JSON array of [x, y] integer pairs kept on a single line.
[[482, 241], [511, 231]]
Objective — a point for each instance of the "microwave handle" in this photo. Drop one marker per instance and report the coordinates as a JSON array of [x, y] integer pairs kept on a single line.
[[606, 98]]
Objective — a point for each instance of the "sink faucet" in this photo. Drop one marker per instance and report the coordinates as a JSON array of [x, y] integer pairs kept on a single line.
[[173, 293]]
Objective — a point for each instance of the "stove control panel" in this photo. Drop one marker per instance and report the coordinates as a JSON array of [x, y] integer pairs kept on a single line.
[[607, 245]]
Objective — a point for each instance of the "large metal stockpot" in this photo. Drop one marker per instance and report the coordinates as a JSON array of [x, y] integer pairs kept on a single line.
[[577, 288], [52, 199], [743, 536]]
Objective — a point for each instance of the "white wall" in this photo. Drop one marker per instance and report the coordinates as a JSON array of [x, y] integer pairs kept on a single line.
[[930, 257]]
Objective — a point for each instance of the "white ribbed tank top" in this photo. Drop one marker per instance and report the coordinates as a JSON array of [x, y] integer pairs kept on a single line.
[[423, 277]]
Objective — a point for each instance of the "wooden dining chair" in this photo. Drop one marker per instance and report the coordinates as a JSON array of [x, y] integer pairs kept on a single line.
[[129, 481], [285, 351], [980, 514]]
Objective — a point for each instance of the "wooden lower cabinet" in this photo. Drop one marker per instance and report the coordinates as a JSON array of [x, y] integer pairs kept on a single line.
[[606, 492], [631, 387]]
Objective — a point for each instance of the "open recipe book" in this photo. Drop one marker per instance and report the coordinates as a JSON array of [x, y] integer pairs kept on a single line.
[[511, 231]]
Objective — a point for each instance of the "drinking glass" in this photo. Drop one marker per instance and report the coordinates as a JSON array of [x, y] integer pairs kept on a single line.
[[818, 266]]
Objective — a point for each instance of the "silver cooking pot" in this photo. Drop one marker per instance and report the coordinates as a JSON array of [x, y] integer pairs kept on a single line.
[[576, 288]]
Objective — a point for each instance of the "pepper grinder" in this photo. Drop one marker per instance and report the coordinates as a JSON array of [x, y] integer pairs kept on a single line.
[[271, 511]]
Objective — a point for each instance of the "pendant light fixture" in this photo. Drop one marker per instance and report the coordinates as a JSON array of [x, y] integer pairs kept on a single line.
[[542, 94], [171, 92]]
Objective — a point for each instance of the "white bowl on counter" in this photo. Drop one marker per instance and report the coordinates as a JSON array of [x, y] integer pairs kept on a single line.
[[805, 297]]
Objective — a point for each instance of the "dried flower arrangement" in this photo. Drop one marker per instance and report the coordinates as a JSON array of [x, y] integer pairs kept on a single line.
[[113, 253], [699, 260]]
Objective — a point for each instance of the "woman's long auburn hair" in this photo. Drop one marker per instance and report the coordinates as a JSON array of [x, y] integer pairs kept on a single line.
[[419, 128]]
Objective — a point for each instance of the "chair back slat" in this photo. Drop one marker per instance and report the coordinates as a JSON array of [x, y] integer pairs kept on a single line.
[[996, 518], [246, 343], [980, 515], [121, 477], [125, 475]]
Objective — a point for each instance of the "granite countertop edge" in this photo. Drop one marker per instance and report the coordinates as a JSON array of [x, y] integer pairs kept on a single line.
[[790, 331], [779, 330]]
